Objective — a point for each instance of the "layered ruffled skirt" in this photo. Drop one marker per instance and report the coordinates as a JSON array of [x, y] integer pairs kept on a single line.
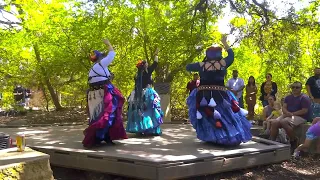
[[145, 116], [105, 111], [215, 115]]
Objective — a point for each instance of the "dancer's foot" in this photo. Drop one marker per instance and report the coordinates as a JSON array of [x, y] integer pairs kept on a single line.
[[109, 142]]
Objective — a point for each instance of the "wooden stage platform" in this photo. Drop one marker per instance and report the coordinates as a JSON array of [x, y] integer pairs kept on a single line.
[[176, 154]]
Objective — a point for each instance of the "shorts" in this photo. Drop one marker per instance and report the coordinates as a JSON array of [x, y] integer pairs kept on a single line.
[[311, 136], [294, 120], [313, 132]]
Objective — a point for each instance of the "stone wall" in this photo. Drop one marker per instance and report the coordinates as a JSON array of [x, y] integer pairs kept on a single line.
[[27, 165]]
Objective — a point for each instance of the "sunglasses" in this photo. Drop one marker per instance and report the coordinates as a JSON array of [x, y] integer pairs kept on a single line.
[[295, 87]]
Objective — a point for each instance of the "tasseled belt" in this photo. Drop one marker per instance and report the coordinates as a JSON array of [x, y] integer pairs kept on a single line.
[[209, 106], [98, 85], [211, 88]]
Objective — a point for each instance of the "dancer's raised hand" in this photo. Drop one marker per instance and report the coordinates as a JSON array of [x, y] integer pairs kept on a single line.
[[156, 52], [224, 41], [156, 55], [107, 42], [224, 38]]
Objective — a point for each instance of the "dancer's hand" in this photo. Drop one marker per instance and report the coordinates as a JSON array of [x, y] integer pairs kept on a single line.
[[156, 52], [224, 42], [156, 55], [224, 39], [106, 42]]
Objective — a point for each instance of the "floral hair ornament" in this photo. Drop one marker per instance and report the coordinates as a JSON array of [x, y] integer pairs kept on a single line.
[[140, 64], [95, 55]]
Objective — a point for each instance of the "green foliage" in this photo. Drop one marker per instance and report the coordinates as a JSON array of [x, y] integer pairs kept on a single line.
[[65, 31]]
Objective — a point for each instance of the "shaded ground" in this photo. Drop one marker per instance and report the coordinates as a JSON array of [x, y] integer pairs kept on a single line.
[[44, 117], [307, 167]]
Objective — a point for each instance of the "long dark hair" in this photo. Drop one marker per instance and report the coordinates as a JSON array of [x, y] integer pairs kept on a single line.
[[138, 83], [254, 81]]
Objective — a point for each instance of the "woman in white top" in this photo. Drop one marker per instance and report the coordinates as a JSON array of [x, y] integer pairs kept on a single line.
[[105, 102]]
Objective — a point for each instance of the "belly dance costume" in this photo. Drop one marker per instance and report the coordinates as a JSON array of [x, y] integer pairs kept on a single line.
[[213, 110], [144, 110], [105, 104]]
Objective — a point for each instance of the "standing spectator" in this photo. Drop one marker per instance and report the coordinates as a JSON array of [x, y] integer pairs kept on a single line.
[[313, 89], [236, 85], [268, 88], [193, 83], [28, 96], [19, 95], [251, 96], [295, 112]]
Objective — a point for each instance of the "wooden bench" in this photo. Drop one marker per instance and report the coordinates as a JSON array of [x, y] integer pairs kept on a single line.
[[300, 132]]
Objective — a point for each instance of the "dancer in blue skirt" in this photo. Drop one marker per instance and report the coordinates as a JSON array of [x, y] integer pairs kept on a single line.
[[214, 111], [144, 110]]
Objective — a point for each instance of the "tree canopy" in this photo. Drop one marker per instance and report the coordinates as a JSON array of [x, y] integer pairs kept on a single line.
[[47, 44]]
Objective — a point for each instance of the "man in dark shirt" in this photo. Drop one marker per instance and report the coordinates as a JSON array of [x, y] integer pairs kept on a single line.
[[19, 94], [313, 89], [193, 83]]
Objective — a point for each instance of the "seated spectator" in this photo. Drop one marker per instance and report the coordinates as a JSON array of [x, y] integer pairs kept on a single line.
[[295, 112], [312, 134], [267, 110], [275, 115]]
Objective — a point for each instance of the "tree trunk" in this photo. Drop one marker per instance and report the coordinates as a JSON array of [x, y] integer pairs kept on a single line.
[[45, 96], [46, 80]]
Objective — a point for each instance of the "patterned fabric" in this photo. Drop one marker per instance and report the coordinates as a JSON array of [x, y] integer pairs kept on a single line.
[[105, 112], [313, 131], [145, 117], [230, 128]]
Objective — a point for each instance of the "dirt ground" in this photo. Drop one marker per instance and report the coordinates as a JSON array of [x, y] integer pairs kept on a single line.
[[69, 115], [307, 167]]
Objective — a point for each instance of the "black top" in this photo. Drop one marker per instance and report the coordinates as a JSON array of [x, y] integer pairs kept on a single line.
[[19, 93], [147, 76], [274, 90], [314, 83], [217, 70]]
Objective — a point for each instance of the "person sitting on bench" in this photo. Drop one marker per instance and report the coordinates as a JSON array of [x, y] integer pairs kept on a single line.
[[296, 109]]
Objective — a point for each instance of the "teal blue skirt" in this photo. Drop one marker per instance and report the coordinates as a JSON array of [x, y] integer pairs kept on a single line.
[[145, 116]]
